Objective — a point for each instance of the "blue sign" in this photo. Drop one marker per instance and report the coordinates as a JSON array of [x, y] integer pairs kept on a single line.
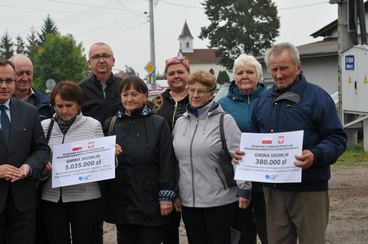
[[349, 62]]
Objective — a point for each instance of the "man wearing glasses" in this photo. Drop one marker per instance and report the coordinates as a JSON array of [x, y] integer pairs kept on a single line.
[[101, 90], [23, 153], [23, 87]]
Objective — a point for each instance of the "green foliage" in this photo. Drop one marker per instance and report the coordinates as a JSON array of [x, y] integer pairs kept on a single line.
[[6, 46], [223, 78], [240, 26], [20, 45], [353, 156], [32, 44], [60, 58], [48, 27]]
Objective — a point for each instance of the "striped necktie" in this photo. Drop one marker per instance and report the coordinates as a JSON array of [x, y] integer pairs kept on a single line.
[[5, 125]]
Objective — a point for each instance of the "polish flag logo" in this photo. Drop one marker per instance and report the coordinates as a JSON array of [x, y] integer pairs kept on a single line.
[[281, 140], [91, 145], [78, 148], [267, 141]]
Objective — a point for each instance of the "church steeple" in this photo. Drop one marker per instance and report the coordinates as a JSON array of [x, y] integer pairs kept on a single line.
[[186, 40]]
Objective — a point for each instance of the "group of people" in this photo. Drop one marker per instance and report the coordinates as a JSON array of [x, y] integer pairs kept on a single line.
[[168, 153]]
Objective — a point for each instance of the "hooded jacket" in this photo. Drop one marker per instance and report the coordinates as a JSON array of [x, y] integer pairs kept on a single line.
[[240, 106], [304, 106], [197, 144], [146, 170]]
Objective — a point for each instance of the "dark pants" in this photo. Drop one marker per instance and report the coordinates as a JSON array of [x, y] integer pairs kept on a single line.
[[208, 225], [252, 220], [138, 234], [171, 229], [83, 219], [16, 227]]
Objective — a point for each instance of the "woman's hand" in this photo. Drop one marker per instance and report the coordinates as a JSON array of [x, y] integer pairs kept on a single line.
[[243, 202], [46, 169], [177, 204], [238, 155], [166, 207], [118, 150]]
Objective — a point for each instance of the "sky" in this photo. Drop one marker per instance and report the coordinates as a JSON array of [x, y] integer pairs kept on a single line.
[[123, 24]]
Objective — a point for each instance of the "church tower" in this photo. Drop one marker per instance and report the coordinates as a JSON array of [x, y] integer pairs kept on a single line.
[[186, 40]]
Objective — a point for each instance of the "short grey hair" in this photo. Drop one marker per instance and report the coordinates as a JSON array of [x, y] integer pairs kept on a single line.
[[244, 60], [279, 48], [99, 44]]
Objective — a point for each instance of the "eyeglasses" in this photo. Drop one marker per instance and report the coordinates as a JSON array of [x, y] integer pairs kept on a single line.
[[199, 92], [6, 82], [103, 56]]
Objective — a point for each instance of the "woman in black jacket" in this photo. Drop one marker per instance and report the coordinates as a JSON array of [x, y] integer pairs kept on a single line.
[[140, 197]]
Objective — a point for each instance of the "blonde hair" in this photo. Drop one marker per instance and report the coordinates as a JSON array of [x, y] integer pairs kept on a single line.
[[244, 60]]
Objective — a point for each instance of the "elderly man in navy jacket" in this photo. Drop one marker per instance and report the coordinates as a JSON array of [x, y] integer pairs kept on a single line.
[[23, 153], [299, 211]]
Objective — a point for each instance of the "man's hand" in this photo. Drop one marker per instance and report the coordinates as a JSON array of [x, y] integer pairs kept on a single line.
[[238, 155], [9, 172], [305, 160], [25, 169], [46, 169], [243, 202], [166, 207]]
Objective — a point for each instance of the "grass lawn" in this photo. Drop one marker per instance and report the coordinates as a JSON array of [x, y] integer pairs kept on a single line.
[[353, 157]]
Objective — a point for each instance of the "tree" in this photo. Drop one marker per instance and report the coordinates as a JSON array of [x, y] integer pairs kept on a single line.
[[20, 45], [60, 58], [32, 44], [6, 46], [48, 27], [223, 78], [240, 26]]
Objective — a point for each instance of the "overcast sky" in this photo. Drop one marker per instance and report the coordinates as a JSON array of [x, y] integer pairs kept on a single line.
[[124, 25]]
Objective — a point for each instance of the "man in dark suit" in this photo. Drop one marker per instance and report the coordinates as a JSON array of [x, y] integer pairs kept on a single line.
[[23, 153]]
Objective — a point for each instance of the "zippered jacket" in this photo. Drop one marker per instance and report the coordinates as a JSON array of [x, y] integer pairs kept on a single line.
[[197, 144], [304, 106], [166, 107]]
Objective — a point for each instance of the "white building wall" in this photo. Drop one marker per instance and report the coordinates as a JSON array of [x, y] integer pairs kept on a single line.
[[207, 67], [321, 71]]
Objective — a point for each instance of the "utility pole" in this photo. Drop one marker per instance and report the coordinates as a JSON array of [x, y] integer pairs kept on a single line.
[[152, 44], [345, 41]]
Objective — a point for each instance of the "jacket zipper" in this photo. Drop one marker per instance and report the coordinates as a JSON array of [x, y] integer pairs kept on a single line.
[[173, 116], [191, 161]]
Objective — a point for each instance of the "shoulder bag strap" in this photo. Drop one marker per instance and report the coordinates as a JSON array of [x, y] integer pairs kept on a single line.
[[222, 134], [49, 130], [111, 125]]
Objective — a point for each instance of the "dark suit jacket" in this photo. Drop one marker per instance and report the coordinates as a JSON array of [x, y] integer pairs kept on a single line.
[[27, 146]]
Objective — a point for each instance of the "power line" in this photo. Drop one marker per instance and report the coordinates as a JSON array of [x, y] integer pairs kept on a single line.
[[130, 11], [303, 6], [181, 5], [88, 5]]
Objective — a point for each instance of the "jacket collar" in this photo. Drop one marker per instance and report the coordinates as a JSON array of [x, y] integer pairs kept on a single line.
[[294, 93], [206, 110], [235, 94], [142, 112], [96, 81]]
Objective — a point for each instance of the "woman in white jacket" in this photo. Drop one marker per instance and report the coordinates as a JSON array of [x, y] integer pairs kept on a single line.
[[207, 202], [71, 214]]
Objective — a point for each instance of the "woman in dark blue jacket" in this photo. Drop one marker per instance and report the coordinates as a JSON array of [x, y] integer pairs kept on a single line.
[[244, 91]]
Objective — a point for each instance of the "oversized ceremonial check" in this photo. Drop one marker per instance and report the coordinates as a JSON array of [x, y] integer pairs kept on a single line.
[[270, 157], [83, 161]]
